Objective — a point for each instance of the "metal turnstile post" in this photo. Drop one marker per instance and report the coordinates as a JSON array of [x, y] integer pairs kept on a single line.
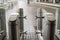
[[52, 29]]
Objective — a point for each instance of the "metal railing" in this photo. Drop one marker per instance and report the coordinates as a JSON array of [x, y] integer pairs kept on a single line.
[[8, 4], [45, 1]]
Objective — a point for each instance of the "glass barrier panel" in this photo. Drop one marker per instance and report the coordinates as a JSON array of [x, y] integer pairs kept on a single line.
[[0, 24]]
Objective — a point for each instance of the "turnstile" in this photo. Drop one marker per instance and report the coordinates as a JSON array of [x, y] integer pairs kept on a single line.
[[48, 26], [14, 28]]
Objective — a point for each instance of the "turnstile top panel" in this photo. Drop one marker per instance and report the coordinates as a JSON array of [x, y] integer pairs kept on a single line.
[[13, 17]]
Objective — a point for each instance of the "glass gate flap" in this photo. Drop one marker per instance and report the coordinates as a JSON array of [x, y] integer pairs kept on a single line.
[[2, 24], [2, 19]]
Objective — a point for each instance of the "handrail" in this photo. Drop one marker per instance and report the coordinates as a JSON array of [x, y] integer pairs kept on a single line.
[[6, 4], [45, 4], [50, 4]]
